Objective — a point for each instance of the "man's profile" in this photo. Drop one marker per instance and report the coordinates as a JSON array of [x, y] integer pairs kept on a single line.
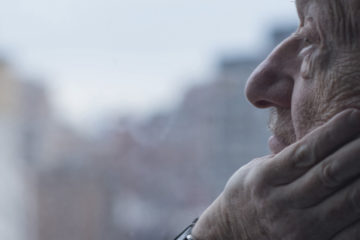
[[309, 187]]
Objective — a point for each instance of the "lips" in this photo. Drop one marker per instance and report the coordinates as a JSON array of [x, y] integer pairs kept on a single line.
[[275, 144]]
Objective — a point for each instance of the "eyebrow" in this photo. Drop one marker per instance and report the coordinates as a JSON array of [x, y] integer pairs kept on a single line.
[[299, 4]]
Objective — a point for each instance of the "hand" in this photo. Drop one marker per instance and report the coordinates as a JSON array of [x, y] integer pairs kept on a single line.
[[310, 190]]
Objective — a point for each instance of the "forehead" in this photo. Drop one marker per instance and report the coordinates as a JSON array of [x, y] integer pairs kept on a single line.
[[335, 17], [310, 9], [300, 6], [329, 7]]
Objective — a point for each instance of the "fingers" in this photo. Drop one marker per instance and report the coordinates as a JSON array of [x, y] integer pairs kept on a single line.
[[327, 177], [340, 210], [350, 232], [298, 158]]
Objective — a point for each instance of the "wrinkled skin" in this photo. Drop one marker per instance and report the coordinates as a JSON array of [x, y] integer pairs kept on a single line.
[[309, 188]]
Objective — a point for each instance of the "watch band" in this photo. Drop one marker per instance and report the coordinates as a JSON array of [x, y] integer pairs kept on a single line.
[[186, 234]]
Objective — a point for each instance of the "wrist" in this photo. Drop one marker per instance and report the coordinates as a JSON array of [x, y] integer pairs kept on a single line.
[[213, 223]]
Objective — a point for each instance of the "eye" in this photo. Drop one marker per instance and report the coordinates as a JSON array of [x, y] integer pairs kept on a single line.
[[307, 46], [307, 41]]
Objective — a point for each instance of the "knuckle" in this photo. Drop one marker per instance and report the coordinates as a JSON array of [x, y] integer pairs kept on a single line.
[[255, 182], [352, 232], [300, 152], [303, 155], [327, 176], [244, 180], [256, 173]]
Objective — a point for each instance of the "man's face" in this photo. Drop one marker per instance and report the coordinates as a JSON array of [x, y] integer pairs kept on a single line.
[[313, 74]]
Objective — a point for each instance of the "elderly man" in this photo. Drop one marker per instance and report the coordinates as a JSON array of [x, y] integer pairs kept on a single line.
[[309, 187]]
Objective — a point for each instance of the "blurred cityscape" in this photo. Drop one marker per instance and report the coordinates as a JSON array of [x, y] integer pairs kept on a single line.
[[134, 180]]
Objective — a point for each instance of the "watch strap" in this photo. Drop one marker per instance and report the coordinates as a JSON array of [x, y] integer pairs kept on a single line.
[[186, 233]]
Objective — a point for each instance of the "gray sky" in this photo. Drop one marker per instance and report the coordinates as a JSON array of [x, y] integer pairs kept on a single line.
[[129, 56]]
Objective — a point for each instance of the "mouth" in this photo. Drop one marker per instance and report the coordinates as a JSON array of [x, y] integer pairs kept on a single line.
[[275, 144]]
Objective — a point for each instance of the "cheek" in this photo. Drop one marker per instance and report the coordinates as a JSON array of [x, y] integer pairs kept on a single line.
[[341, 92], [308, 103], [304, 110]]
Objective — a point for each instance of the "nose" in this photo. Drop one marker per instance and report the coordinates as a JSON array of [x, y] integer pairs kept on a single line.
[[271, 83]]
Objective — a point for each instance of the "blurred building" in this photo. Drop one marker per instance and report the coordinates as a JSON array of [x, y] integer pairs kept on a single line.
[[137, 180], [13, 187]]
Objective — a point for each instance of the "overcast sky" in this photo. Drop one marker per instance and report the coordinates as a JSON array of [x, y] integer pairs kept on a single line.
[[129, 56]]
